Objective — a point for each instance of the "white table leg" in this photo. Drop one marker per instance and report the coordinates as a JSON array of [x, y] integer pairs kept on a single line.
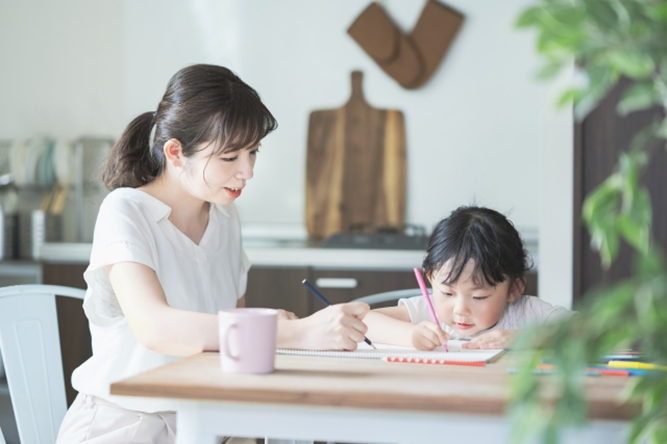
[[188, 426], [189, 438]]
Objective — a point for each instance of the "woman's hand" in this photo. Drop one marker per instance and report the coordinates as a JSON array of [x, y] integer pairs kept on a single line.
[[337, 327], [492, 339], [427, 335], [286, 315]]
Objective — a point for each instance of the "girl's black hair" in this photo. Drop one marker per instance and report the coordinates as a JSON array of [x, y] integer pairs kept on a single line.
[[481, 234], [202, 104]]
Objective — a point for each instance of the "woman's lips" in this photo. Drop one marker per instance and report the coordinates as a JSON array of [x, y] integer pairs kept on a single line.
[[234, 192], [464, 326]]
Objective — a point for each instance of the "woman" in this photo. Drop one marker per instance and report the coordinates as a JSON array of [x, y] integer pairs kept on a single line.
[[167, 253]]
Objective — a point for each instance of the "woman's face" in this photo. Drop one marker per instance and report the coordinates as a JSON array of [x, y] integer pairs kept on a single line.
[[218, 178], [467, 307]]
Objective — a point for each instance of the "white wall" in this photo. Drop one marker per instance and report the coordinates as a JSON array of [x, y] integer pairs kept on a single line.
[[473, 132], [60, 68]]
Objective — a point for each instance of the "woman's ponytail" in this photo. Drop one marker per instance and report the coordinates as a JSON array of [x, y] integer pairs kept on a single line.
[[130, 163]]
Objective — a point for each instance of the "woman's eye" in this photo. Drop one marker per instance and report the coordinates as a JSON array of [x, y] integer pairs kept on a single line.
[[228, 159], [446, 294], [254, 152], [479, 298]]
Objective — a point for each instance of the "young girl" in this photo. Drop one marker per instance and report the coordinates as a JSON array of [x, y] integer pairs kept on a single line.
[[476, 264], [167, 254]]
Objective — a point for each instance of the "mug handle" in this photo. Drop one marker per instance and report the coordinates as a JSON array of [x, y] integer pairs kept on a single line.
[[225, 341]]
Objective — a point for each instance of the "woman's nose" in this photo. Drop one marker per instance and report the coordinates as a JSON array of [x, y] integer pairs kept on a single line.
[[245, 170]]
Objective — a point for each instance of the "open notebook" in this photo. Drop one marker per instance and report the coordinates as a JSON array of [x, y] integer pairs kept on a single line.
[[456, 353]]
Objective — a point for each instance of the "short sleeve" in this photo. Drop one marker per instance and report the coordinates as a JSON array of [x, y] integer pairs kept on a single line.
[[531, 311], [417, 309], [121, 235]]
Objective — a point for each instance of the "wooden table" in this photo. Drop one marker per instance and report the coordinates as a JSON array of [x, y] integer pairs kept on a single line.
[[357, 400]]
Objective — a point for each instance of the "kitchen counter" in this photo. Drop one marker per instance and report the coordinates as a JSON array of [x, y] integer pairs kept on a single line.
[[285, 253]]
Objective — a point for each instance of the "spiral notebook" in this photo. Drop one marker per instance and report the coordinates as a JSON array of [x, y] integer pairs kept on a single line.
[[456, 353]]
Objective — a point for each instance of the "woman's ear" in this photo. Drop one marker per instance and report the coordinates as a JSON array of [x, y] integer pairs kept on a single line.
[[516, 289], [173, 152]]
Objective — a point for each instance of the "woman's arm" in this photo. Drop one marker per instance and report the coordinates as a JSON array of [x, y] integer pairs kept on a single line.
[[170, 331], [156, 325]]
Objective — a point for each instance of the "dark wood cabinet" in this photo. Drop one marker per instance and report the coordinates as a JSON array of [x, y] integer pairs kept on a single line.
[[279, 287], [361, 283], [599, 140]]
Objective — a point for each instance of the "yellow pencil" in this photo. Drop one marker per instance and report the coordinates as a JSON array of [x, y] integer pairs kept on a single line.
[[637, 365]]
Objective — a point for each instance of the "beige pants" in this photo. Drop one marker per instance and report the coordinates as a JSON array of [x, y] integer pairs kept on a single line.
[[91, 420]]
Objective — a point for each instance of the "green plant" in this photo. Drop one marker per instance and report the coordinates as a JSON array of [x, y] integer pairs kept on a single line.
[[607, 40]]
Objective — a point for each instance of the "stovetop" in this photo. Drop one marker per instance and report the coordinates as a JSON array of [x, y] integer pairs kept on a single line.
[[412, 238]]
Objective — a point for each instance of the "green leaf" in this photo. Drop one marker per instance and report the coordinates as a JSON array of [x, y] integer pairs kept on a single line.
[[529, 17], [631, 63], [568, 97], [549, 70], [636, 234], [636, 97], [662, 130], [657, 11]]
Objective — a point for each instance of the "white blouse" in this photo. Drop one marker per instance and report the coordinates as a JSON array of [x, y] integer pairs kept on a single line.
[[133, 226]]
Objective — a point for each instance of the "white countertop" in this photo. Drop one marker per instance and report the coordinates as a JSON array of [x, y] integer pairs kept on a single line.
[[267, 254]]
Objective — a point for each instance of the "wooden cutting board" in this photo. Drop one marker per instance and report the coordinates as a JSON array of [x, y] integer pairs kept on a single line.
[[355, 175]]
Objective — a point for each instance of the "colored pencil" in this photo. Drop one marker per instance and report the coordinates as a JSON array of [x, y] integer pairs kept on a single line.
[[431, 308]]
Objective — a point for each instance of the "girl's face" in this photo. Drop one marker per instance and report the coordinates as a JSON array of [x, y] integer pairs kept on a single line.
[[219, 178], [466, 307]]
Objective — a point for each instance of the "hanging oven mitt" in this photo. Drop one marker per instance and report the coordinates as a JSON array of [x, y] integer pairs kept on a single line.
[[385, 43], [433, 35], [410, 60]]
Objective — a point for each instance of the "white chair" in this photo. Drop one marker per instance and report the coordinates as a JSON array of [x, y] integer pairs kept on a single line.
[[30, 345]]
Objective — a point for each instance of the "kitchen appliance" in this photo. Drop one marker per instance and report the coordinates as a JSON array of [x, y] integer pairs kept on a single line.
[[355, 166], [412, 237]]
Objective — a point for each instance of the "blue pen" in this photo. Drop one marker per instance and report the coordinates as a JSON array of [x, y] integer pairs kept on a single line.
[[324, 300]]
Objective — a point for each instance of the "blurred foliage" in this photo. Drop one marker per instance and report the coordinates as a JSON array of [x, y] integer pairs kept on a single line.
[[606, 40]]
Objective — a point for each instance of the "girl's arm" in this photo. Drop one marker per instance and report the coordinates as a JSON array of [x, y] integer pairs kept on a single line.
[[390, 325], [170, 331]]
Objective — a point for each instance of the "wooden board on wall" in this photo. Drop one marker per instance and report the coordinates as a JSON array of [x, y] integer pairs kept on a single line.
[[355, 172]]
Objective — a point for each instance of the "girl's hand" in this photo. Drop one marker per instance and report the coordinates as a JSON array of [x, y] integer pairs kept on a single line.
[[286, 315], [427, 335], [492, 339], [337, 327]]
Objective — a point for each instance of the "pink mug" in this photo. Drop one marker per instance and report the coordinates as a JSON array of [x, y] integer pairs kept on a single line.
[[248, 340]]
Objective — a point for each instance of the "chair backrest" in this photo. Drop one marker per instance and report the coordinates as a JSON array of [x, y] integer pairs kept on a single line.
[[389, 296], [30, 346]]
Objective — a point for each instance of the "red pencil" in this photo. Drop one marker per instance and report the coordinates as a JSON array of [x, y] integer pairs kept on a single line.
[[433, 361]]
